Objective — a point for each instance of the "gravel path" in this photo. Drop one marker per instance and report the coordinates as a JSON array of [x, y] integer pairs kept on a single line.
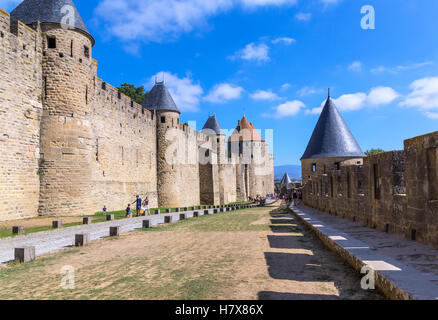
[[50, 241]]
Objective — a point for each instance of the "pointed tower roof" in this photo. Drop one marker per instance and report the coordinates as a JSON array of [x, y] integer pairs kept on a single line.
[[286, 180], [48, 11], [332, 138], [244, 124], [159, 98], [213, 125]]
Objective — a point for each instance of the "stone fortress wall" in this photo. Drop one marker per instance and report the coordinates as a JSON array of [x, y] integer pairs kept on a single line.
[[20, 117], [395, 192], [71, 143]]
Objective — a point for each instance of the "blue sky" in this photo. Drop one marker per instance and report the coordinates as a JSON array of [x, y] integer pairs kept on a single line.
[[275, 59]]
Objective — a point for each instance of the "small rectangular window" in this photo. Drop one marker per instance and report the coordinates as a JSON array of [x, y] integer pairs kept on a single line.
[[51, 43], [314, 167], [119, 95], [163, 119], [337, 166], [104, 85], [86, 52]]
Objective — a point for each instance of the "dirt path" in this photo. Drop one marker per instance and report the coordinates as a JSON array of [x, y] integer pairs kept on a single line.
[[259, 253]]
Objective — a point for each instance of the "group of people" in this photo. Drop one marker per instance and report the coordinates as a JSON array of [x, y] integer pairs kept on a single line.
[[297, 198], [141, 207]]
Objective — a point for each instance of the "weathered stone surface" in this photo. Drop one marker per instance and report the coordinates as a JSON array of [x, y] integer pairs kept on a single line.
[[25, 254], [18, 230], [168, 219], [57, 224], [115, 231], [82, 239]]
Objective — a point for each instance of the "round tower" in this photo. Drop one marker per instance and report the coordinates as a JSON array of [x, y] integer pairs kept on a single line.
[[167, 115], [66, 146]]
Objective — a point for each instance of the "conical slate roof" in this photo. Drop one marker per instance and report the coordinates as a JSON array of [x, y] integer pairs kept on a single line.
[[213, 125], [53, 11], [286, 180], [331, 137], [159, 98]]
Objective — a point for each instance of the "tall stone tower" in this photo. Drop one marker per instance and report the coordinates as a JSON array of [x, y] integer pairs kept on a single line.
[[66, 148], [213, 173], [167, 115], [331, 143], [255, 172]]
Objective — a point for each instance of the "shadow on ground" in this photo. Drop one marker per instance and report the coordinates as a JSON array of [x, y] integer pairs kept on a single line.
[[313, 263]]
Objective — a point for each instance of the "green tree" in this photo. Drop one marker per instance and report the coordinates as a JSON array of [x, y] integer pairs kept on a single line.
[[138, 94], [373, 152]]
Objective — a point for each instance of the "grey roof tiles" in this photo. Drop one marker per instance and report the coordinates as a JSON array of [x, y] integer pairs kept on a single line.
[[332, 138], [286, 180], [48, 11], [212, 126], [159, 98]]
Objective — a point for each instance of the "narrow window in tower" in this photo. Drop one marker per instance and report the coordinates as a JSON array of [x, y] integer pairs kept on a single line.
[[163, 119], [51, 43], [104, 85], [71, 49], [314, 167], [97, 150], [119, 95], [348, 185], [86, 94], [86, 52], [123, 157]]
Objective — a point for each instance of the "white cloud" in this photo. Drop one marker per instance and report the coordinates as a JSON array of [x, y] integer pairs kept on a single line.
[[356, 66], [382, 96], [184, 91], [288, 109], [303, 16], [284, 40], [224, 92], [308, 91], [398, 69], [378, 96], [330, 2], [253, 52], [424, 94], [432, 115], [158, 20], [264, 95], [9, 5], [285, 86]]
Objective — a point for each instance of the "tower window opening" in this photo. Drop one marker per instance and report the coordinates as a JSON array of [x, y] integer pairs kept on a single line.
[[337, 166], [119, 95], [71, 49], [314, 167], [86, 52], [51, 43], [104, 85], [163, 119]]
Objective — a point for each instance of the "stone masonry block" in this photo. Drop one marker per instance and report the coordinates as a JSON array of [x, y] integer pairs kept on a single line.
[[87, 220], [57, 224], [115, 231], [25, 254], [18, 230], [82, 239]]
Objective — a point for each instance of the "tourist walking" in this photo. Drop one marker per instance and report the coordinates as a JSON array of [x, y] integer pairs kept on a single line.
[[128, 211], [295, 197], [300, 197], [138, 202]]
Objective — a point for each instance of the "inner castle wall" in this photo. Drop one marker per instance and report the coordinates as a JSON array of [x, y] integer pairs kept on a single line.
[[394, 192]]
